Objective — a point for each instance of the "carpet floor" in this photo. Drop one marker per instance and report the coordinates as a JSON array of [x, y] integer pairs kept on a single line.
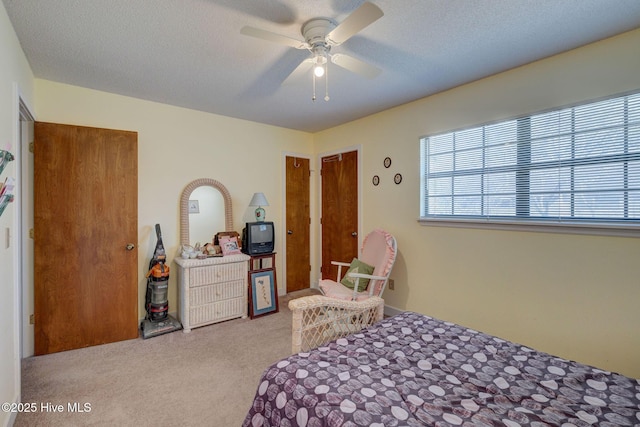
[[203, 378]]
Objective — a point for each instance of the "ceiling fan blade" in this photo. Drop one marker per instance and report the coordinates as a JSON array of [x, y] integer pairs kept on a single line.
[[355, 65], [273, 37], [357, 21], [303, 68]]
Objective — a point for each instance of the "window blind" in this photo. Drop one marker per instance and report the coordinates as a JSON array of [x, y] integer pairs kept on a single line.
[[570, 165]]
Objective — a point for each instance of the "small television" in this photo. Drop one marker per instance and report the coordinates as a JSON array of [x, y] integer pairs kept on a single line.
[[258, 238]]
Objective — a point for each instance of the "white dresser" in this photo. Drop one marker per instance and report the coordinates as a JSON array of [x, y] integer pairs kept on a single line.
[[212, 290]]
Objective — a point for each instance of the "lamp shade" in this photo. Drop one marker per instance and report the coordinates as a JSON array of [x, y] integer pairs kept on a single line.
[[258, 199]]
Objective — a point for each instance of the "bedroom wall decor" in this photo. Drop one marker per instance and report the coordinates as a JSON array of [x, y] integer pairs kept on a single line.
[[6, 188], [262, 293], [5, 158]]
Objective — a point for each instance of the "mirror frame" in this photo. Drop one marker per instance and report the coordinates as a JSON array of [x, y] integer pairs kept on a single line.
[[184, 206]]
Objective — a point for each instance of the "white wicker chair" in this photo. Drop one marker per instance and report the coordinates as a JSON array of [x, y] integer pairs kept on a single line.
[[319, 319], [342, 311], [379, 250]]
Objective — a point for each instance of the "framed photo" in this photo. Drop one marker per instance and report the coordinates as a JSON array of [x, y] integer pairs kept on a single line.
[[229, 245], [194, 206], [262, 294], [221, 234]]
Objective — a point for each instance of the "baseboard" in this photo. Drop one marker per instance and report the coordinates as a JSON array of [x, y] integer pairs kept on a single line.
[[312, 285], [14, 414], [391, 311]]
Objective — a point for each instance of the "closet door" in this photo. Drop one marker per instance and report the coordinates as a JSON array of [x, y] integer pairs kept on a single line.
[[298, 224], [85, 233], [339, 211]]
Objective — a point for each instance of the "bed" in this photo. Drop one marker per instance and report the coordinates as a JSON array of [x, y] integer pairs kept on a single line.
[[414, 370]]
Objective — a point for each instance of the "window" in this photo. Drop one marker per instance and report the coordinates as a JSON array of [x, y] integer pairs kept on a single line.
[[578, 165]]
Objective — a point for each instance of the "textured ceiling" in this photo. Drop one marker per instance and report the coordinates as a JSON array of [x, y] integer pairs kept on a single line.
[[190, 53]]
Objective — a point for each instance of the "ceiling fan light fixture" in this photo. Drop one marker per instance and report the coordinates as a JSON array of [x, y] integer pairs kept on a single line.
[[320, 34], [319, 61]]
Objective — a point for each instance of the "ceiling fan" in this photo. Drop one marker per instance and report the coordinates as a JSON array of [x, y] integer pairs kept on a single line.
[[320, 35]]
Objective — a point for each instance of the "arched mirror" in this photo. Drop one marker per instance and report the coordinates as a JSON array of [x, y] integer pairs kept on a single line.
[[204, 204]]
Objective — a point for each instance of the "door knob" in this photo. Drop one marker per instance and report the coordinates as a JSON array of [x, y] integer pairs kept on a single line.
[[354, 234], [289, 231], [130, 246]]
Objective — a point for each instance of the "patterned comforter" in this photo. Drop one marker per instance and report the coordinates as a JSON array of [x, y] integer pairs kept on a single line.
[[413, 370]]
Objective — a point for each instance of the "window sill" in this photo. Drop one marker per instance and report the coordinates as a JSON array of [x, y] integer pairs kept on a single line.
[[594, 229]]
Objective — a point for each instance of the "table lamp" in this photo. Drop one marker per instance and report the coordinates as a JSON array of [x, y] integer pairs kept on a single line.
[[259, 200]]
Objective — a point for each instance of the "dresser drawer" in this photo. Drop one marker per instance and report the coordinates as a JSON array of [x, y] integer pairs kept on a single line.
[[216, 312], [216, 292], [212, 290], [217, 273]]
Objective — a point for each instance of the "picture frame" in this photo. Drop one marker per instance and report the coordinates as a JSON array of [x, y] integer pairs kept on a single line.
[[194, 206], [229, 246], [263, 298], [221, 234]]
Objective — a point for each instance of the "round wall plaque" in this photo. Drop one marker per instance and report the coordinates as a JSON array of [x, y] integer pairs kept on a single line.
[[375, 180], [397, 178], [387, 162]]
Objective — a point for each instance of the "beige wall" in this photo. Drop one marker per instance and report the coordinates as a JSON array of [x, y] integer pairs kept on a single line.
[[574, 296], [16, 80], [176, 146]]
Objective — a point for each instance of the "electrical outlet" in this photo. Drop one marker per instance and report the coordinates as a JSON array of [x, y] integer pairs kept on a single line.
[[392, 284]]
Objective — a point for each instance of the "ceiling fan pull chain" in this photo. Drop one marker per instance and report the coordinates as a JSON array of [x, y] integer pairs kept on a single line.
[[326, 81], [313, 76]]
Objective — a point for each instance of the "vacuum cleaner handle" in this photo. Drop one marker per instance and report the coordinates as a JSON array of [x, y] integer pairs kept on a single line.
[[159, 253]]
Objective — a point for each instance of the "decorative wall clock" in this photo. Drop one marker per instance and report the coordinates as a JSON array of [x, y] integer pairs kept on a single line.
[[387, 162], [397, 178], [375, 180]]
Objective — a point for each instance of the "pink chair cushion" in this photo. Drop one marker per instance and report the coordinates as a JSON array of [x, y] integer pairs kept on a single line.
[[378, 251], [337, 290]]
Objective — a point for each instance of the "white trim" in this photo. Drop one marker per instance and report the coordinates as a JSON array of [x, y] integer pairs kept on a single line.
[[19, 109], [358, 149], [596, 229], [17, 258], [391, 311], [282, 287], [26, 119]]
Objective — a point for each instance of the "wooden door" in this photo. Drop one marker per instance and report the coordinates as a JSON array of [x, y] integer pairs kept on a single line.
[[339, 210], [298, 224], [86, 213]]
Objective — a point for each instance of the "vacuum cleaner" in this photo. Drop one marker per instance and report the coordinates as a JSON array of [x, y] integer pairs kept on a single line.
[[158, 321]]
